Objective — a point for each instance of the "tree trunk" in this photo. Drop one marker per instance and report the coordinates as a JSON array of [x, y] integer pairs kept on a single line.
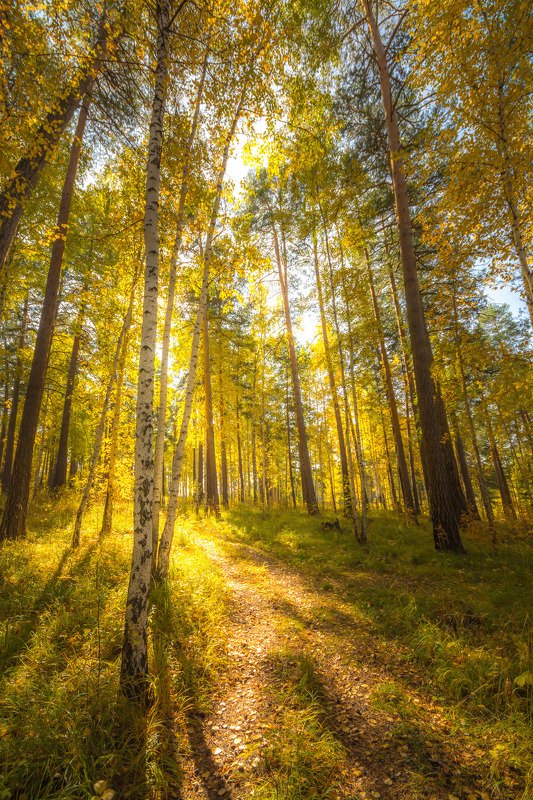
[[345, 476], [107, 519], [356, 424], [163, 372], [101, 423], [501, 479], [444, 489], [289, 444], [465, 472], [134, 666], [211, 481], [163, 560], [12, 424], [13, 524], [59, 477], [403, 472], [308, 489], [239, 455], [410, 394], [45, 142]]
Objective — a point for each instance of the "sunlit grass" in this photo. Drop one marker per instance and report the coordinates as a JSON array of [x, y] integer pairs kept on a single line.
[[63, 723]]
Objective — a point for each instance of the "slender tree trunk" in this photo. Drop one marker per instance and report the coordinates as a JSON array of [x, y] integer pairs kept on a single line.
[[239, 454], [211, 481], [443, 487], [356, 433], [465, 472], [308, 489], [345, 476], [199, 496], [134, 666], [289, 443], [403, 472], [163, 372], [107, 519], [167, 535], [223, 448], [501, 479], [99, 435], [46, 141], [410, 394], [59, 477], [12, 424], [13, 524]]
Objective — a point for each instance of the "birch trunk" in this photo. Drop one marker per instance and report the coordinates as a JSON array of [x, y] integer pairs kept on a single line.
[[134, 667], [97, 445], [163, 372], [177, 459], [107, 519]]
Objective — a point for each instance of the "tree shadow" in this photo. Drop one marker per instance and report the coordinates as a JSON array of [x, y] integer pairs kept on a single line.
[[56, 588], [207, 769]]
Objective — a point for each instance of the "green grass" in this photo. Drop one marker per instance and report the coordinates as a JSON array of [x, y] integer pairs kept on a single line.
[[63, 723], [303, 756], [459, 629], [461, 622]]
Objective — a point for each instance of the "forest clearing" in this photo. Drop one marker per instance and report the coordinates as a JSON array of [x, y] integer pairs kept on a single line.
[[266, 399]]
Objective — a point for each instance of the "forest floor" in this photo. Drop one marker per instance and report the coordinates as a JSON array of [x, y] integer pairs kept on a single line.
[[287, 663]]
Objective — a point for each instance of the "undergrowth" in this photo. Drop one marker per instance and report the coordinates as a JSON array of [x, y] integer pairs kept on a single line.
[[462, 622], [63, 722]]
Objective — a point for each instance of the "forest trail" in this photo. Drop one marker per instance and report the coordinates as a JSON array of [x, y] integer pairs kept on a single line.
[[285, 635]]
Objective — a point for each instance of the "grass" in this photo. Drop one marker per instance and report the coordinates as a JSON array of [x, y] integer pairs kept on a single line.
[[303, 756], [63, 723], [461, 623], [456, 629]]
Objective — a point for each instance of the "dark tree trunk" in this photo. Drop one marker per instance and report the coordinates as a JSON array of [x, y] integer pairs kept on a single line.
[[12, 424], [44, 143], [465, 472], [13, 523], [445, 496], [59, 477]]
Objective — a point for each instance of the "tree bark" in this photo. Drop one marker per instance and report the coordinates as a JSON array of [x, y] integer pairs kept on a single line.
[[45, 142], [403, 472], [163, 372], [465, 472], [59, 477], [134, 666], [308, 489], [168, 530], [443, 487], [345, 475], [13, 524], [13, 413], [107, 519], [102, 420]]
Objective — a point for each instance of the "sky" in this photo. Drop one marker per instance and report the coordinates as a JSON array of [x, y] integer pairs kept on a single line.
[[306, 325]]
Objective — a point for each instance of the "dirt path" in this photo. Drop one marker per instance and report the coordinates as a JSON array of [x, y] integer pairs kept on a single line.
[[388, 754]]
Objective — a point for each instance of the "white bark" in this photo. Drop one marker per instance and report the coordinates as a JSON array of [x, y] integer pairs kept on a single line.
[[168, 530], [163, 373], [134, 668]]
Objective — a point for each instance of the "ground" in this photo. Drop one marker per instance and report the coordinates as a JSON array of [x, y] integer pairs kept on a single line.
[[287, 663]]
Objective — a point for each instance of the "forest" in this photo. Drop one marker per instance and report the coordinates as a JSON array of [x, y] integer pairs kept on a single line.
[[266, 399]]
